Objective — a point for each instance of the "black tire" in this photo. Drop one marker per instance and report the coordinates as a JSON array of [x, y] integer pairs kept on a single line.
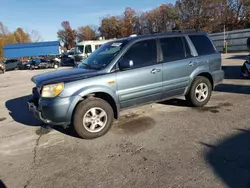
[[244, 71], [191, 96], [82, 108]]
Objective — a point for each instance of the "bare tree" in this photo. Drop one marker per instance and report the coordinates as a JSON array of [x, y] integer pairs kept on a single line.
[[67, 35], [35, 36]]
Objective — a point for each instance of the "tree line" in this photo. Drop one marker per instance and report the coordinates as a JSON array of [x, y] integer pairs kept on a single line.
[[18, 36], [200, 15]]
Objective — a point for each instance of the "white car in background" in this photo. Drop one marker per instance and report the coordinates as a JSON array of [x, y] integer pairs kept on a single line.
[[85, 48]]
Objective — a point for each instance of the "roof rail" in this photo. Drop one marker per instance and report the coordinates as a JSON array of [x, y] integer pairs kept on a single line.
[[184, 31]]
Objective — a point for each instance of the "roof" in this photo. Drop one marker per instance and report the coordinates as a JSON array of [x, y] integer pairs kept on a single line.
[[156, 35], [31, 49], [93, 42]]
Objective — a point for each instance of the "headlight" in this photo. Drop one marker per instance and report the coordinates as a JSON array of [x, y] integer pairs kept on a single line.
[[50, 91]]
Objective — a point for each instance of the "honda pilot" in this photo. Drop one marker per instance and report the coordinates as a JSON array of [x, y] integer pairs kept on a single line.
[[126, 73]]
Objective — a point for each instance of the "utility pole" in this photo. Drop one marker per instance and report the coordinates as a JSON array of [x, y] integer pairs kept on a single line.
[[225, 42]]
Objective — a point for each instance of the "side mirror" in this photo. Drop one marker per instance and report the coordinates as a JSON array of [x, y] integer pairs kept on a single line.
[[126, 64]]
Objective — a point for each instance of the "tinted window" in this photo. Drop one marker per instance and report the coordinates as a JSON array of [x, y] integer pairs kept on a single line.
[[172, 49], [97, 46], [88, 49], [142, 53], [202, 44], [79, 49]]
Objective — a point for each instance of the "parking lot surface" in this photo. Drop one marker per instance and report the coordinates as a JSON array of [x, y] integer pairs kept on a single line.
[[161, 145]]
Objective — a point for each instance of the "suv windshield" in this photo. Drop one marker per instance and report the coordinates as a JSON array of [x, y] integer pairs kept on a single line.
[[100, 58], [79, 49]]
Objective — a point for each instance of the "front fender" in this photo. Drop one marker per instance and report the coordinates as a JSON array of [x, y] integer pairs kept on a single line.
[[80, 94], [97, 89]]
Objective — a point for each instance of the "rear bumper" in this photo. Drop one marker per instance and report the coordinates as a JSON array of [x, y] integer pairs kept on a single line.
[[218, 77]]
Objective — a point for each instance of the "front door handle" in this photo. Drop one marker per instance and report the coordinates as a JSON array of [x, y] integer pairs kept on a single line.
[[153, 71], [192, 63]]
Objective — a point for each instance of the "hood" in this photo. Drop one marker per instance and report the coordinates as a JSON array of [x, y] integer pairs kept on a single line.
[[67, 75]]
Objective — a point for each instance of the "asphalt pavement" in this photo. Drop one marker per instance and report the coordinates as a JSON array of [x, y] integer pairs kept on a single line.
[[164, 144]]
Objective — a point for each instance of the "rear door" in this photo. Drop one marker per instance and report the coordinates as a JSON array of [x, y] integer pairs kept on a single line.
[[142, 83], [178, 64]]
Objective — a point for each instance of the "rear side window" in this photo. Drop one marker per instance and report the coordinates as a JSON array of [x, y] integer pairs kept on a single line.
[[202, 44], [172, 49]]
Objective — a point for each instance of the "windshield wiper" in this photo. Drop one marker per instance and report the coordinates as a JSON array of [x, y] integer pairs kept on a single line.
[[88, 66]]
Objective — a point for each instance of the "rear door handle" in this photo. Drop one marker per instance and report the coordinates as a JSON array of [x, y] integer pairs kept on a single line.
[[192, 63], [153, 71]]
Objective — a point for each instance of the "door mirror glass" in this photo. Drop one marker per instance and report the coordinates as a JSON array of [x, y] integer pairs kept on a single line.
[[126, 64]]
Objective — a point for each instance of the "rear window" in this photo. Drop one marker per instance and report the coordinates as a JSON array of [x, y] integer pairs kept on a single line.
[[202, 44]]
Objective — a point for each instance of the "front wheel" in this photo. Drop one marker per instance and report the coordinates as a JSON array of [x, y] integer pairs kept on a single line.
[[93, 118], [56, 66], [200, 92]]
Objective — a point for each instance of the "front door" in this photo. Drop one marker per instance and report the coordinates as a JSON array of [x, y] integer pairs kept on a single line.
[[142, 82], [178, 65]]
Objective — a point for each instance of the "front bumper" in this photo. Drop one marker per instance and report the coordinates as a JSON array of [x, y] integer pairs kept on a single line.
[[37, 114], [54, 111]]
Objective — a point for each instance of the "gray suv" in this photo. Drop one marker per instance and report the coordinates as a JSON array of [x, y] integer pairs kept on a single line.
[[126, 73]]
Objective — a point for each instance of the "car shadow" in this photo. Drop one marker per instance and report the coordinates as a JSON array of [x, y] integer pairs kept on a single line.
[[175, 102], [231, 88], [70, 131], [229, 159], [239, 57], [2, 185], [232, 72], [19, 111]]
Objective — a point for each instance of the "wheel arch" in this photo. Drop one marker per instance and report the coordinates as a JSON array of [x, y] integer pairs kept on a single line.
[[203, 74], [108, 97]]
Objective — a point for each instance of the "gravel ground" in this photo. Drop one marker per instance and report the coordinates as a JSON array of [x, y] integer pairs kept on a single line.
[[160, 145]]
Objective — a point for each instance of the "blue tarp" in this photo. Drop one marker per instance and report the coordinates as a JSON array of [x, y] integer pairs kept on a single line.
[[31, 49]]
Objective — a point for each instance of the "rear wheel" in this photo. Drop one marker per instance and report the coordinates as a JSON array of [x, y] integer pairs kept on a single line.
[[93, 118], [200, 92], [245, 72]]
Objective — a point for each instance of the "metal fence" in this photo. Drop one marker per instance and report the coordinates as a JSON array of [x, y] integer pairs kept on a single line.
[[235, 41]]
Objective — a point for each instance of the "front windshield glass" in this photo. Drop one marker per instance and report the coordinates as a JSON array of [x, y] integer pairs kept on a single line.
[[100, 58], [79, 49]]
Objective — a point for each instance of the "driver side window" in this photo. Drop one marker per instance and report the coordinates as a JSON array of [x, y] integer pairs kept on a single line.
[[143, 53]]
